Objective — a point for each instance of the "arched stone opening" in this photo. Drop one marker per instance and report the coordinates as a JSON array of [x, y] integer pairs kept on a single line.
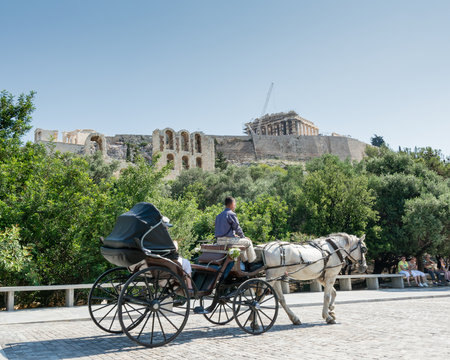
[[171, 160], [184, 141], [38, 135], [198, 162], [198, 143], [185, 162], [169, 140], [263, 130], [95, 142]]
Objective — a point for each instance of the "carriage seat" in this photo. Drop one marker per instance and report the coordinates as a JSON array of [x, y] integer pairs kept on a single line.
[[215, 254]]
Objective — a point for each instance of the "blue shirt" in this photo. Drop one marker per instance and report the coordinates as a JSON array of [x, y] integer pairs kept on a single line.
[[227, 225]]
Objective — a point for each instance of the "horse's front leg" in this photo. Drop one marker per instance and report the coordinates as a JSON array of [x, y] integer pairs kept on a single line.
[[294, 318], [327, 296]]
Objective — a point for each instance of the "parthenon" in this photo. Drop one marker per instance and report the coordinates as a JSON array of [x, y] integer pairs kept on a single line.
[[289, 123]]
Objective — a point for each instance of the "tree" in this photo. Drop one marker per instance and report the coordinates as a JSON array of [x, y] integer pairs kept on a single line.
[[15, 116], [334, 198], [424, 220], [221, 161], [377, 141]]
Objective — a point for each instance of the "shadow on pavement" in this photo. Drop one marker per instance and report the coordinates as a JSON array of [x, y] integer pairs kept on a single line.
[[72, 348]]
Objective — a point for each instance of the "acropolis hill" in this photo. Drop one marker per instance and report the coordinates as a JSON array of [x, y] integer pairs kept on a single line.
[[273, 137]]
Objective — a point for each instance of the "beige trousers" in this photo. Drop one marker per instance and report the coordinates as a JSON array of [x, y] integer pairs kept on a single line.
[[248, 254]]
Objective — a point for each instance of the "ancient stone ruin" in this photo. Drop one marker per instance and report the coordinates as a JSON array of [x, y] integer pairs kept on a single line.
[[279, 124], [281, 137]]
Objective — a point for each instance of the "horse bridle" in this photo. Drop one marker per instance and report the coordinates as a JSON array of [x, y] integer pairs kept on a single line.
[[363, 250]]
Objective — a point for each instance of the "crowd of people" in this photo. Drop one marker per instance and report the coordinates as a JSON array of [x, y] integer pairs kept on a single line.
[[437, 268]]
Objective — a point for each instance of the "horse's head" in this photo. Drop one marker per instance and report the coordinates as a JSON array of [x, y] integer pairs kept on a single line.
[[357, 253]]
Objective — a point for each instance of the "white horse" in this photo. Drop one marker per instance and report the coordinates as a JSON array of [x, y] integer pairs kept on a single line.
[[321, 259]]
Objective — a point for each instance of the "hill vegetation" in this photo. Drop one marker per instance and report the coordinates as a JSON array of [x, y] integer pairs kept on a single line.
[[54, 206]]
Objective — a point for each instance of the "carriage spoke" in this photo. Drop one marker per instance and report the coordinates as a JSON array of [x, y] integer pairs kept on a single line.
[[153, 321], [153, 327], [246, 321], [262, 312], [220, 311], [134, 309], [114, 295], [107, 313], [259, 317], [114, 318], [143, 326], [160, 325], [171, 323], [225, 311], [268, 299], [173, 312], [242, 313], [148, 288], [94, 310], [263, 294]]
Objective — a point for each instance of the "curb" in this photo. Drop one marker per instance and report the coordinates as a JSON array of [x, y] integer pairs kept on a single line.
[[343, 302]]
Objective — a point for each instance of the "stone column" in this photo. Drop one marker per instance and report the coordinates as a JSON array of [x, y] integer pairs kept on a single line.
[[345, 284]]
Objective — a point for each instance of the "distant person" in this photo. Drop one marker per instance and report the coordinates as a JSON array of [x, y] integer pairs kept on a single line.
[[416, 273], [186, 265], [403, 268], [430, 267], [443, 268], [228, 231]]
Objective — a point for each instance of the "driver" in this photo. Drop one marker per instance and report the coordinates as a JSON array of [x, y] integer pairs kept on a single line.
[[228, 231]]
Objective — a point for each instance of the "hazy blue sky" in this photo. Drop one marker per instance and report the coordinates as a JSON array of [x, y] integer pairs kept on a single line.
[[353, 67]]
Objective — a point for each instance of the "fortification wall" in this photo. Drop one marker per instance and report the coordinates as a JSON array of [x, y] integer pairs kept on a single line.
[[235, 148], [63, 147], [293, 148]]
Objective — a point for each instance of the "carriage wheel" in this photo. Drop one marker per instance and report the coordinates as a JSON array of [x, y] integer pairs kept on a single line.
[[159, 303], [255, 306], [221, 303], [103, 296]]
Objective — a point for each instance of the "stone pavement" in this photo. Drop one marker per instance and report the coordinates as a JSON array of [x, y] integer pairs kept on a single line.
[[371, 325]]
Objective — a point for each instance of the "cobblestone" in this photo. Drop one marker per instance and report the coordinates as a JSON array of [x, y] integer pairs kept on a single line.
[[415, 328]]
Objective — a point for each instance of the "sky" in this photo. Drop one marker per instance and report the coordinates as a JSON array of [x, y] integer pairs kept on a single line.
[[356, 68]]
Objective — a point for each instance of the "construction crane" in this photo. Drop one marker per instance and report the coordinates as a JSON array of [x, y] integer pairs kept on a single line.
[[265, 107], [267, 100]]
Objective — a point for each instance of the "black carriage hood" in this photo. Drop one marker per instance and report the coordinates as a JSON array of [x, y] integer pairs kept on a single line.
[[135, 224]]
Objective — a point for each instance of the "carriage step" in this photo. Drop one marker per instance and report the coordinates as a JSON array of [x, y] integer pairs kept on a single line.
[[201, 310]]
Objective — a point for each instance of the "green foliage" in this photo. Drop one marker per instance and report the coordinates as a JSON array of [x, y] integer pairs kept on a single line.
[[264, 219], [14, 256], [99, 169], [211, 188], [15, 117], [335, 198], [377, 141], [221, 161], [64, 202]]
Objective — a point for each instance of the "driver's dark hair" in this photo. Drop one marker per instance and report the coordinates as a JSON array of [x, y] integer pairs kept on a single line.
[[229, 200]]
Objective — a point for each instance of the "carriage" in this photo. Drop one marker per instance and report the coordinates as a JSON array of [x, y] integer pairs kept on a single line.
[[146, 295]]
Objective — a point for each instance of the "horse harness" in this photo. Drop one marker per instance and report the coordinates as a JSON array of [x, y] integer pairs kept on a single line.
[[325, 256]]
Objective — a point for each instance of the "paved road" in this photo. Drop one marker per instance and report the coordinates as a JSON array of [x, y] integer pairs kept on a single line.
[[414, 328]]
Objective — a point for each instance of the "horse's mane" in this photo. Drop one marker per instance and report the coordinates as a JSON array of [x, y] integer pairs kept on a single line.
[[343, 235]]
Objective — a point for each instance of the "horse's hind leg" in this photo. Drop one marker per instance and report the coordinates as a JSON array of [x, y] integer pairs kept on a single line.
[[331, 305], [294, 318]]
